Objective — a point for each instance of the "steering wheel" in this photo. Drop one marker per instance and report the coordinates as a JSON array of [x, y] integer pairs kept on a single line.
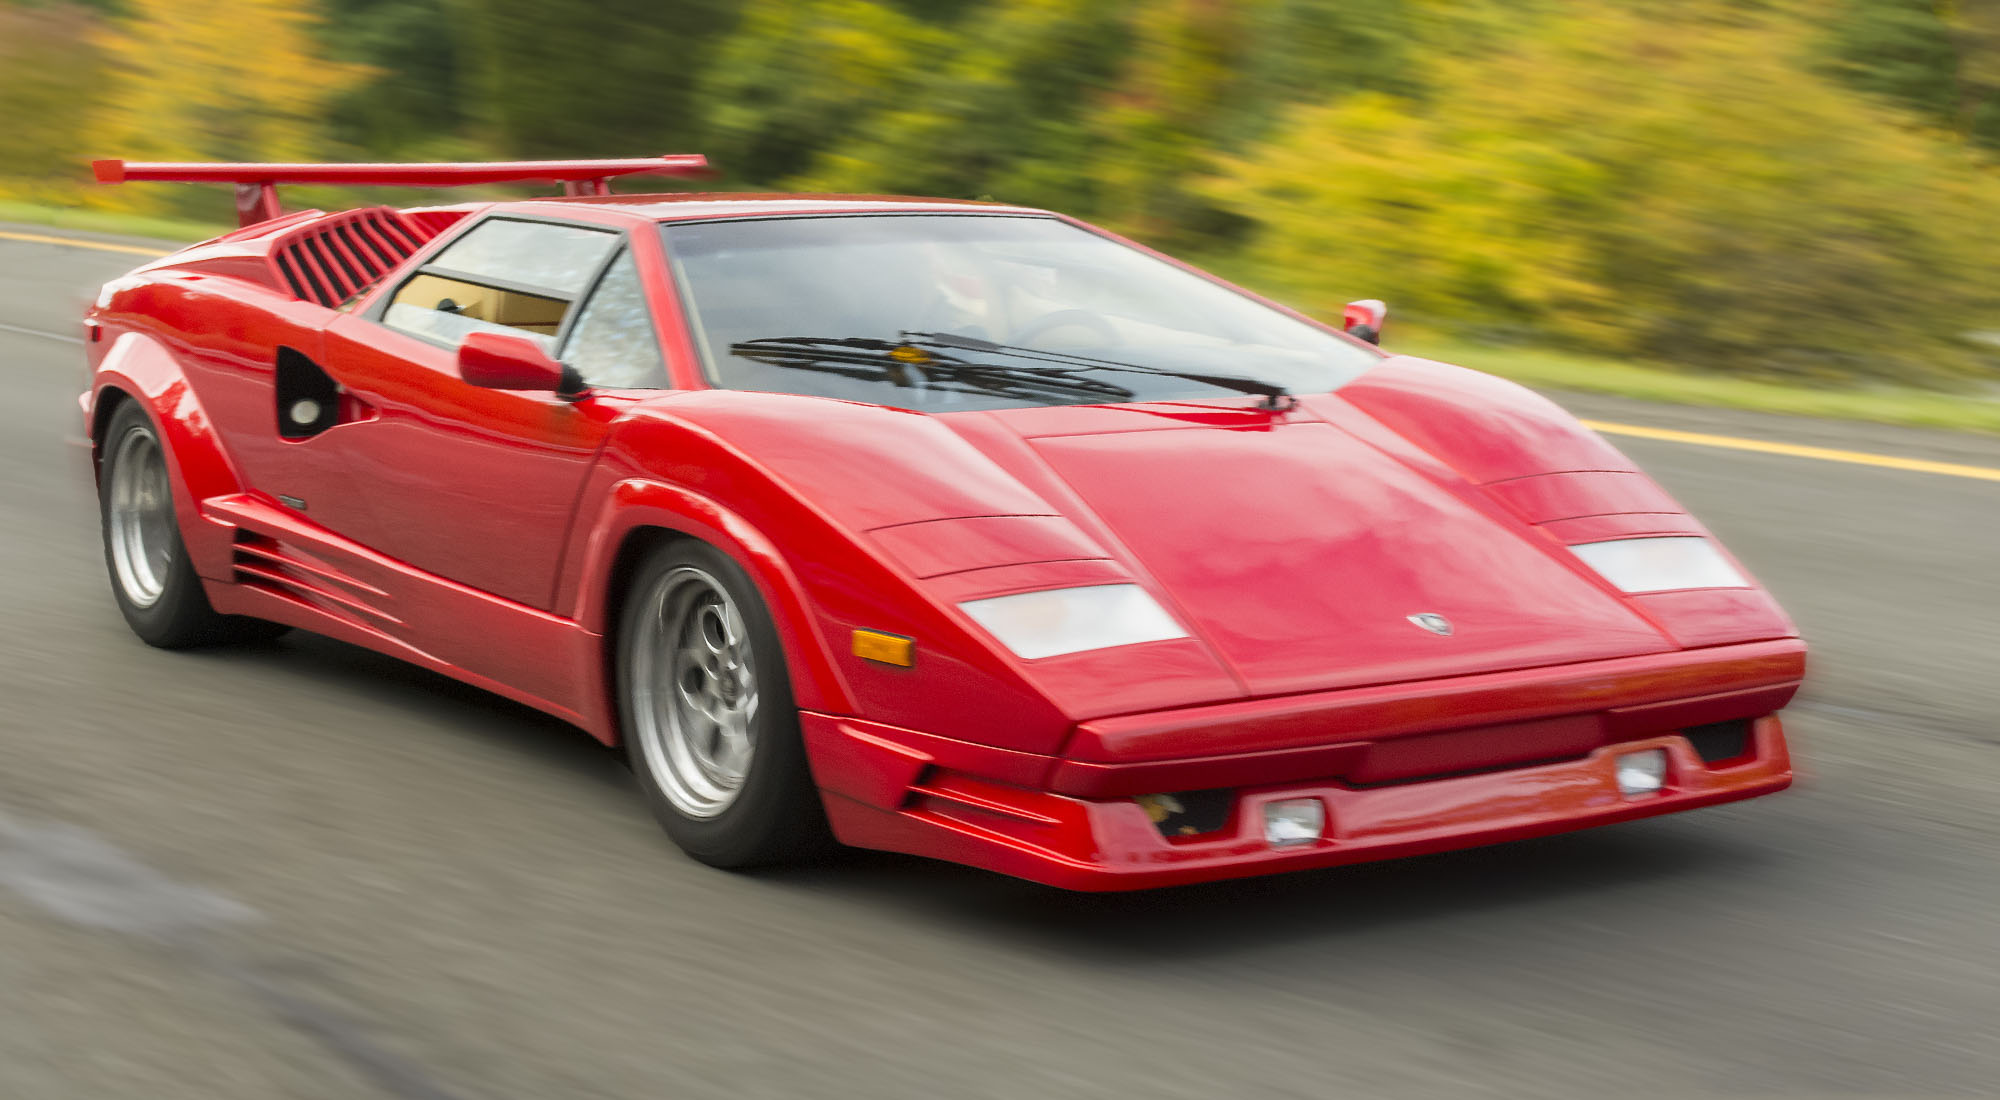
[[1066, 318]]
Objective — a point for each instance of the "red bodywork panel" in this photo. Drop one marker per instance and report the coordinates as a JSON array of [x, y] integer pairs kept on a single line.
[[478, 532]]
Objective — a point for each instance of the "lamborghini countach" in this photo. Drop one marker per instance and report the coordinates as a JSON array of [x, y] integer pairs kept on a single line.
[[950, 528]]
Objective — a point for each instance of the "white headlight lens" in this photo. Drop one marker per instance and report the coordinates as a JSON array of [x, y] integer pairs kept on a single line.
[[1071, 620], [1660, 564]]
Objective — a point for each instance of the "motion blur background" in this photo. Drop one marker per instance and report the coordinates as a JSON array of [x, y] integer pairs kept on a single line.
[[1793, 190], [305, 870]]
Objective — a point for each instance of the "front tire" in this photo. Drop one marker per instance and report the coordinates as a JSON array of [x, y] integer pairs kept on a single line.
[[706, 708], [151, 577]]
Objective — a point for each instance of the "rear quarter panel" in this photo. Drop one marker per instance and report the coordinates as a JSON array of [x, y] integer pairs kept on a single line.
[[198, 350]]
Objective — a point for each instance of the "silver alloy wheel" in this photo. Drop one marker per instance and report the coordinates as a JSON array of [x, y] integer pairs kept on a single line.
[[694, 691], [140, 519]]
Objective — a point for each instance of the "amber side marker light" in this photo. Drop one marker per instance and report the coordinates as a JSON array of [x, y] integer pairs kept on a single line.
[[889, 649]]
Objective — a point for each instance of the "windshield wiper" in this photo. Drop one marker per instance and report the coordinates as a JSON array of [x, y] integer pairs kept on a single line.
[[871, 359], [880, 354], [1275, 396]]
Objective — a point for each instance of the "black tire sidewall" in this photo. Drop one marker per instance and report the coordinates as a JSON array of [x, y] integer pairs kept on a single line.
[[182, 615], [776, 816]]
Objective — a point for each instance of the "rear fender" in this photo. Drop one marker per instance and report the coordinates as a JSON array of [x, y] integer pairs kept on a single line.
[[140, 368]]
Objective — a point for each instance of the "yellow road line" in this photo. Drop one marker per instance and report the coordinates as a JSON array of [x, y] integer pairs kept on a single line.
[[1799, 450], [72, 242]]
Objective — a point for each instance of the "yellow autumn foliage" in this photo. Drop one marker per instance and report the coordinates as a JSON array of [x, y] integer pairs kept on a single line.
[[214, 80], [49, 74], [1680, 187]]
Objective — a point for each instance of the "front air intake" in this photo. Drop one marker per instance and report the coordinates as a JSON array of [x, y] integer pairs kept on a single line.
[[1720, 742]]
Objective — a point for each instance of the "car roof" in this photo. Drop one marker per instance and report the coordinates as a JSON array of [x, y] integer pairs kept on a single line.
[[700, 205]]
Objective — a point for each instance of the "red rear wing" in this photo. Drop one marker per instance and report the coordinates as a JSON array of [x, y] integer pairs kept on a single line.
[[257, 192]]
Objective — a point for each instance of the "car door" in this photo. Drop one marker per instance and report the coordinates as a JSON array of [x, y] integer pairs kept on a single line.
[[478, 485]]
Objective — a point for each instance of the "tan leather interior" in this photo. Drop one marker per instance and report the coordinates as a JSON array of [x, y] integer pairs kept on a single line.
[[484, 303]]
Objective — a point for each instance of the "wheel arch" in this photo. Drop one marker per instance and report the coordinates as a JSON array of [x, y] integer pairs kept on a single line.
[[640, 515], [142, 370]]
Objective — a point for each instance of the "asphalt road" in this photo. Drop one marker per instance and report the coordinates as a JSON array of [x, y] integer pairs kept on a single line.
[[302, 870]]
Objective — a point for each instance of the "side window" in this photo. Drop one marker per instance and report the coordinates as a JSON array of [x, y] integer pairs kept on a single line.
[[501, 276], [611, 344]]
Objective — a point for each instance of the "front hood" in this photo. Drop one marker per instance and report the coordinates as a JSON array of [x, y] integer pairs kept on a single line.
[[1294, 547], [1299, 554]]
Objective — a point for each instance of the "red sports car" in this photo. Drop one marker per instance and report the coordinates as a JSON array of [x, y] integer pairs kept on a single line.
[[951, 528]]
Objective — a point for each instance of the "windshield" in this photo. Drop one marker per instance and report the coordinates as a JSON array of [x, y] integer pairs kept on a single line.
[[940, 313]]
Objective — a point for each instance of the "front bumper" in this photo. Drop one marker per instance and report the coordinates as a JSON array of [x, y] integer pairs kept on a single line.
[[1401, 769], [1086, 844]]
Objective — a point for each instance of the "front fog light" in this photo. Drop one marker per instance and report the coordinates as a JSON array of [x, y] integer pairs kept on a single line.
[[1293, 821], [1642, 772]]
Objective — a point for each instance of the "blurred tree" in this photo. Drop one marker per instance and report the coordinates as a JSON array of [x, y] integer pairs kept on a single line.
[[798, 77], [50, 74], [1204, 78], [1111, 110], [223, 80], [1682, 179], [413, 101], [999, 112], [1681, 189], [1157, 127], [597, 78], [1975, 39], [940, 12], [101, 7], [1304, 50], [1938, 57]]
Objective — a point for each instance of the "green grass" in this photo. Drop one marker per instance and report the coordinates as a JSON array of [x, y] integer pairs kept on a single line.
[[108, 221], [1557, 370]]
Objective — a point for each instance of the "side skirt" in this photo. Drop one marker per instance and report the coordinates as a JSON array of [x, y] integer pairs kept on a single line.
[[287, 569]]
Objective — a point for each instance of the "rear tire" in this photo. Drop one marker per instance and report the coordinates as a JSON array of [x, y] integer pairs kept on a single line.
[[151, 577], [705, 704]]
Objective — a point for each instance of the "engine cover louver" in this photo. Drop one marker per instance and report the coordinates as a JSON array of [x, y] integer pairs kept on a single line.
[[329, 260]]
